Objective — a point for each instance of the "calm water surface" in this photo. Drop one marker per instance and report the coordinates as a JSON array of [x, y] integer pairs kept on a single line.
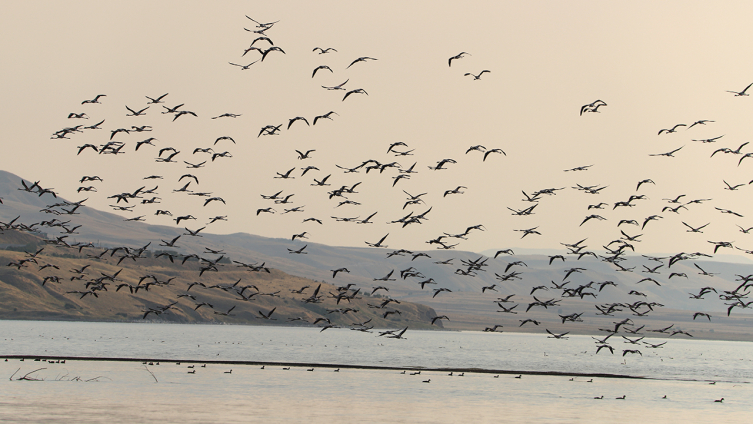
[[127, 391]]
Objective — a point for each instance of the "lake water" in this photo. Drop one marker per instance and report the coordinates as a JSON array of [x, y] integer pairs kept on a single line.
[[129, 391]]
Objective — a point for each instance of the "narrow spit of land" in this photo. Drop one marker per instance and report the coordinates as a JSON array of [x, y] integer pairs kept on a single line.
[[154, 361]]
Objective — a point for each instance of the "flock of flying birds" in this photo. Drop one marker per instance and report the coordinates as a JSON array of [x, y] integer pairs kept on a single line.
[[198, 158]]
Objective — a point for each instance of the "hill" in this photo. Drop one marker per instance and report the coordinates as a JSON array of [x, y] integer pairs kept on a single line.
[[24, 293], [465, 303]]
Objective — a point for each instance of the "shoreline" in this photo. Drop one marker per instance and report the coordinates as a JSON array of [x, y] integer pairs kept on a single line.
[[727, 337]]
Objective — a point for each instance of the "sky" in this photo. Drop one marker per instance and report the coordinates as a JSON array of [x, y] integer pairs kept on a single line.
[[654, 64]]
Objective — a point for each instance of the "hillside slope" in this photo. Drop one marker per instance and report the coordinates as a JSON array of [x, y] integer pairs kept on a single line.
[[24, 294], [465, 303]]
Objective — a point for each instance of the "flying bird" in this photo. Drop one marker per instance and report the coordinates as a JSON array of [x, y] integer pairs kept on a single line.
[[158, 99], [457, 56], [323, 51], [477, 77], [647, 181], [327, 115], [269, 50], [379, 243], [667, 154], [298, 118], [701, 122], [136, 113], [356, 91], [360, 59], [321, 67], [220, 139], [493, 151], [592, 107], [671, 130], [741, 93], [94, 100], [336, 87], [243, 67]]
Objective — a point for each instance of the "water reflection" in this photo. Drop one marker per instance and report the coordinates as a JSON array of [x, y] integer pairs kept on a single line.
[[129, 394]]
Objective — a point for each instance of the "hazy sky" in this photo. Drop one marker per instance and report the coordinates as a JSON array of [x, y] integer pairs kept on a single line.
[[655, 64]]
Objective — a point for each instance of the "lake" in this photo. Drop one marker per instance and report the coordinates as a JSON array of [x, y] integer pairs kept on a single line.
[[482, 388]]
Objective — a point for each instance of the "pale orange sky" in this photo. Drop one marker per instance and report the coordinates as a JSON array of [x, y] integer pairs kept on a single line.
[[655, 64]]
